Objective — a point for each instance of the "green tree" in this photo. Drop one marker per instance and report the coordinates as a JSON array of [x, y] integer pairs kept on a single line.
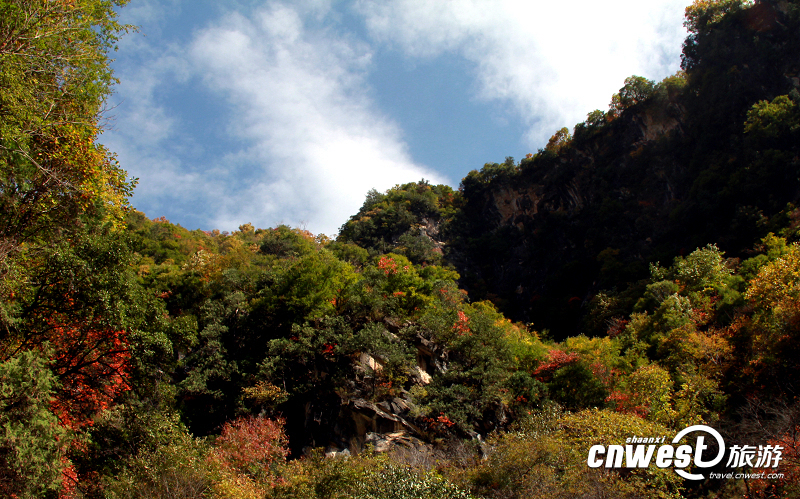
[[471, 392], [64, 279], [406, 219], [636, 90], [559, 140], [32, 444], [54, 79], [774, 119], [546, 457], [703, 14]]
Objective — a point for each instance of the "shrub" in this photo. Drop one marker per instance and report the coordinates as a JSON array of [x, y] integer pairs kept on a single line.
[[32, 444], [253, 446]]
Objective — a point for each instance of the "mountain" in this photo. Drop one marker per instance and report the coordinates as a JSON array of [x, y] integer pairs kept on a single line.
[[433, 349], [707, 156]]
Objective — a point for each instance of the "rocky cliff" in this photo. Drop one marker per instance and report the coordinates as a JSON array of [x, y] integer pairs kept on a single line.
[[675, 166]]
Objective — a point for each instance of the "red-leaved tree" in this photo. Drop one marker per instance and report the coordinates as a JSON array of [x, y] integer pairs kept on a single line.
[[92, 363], [253, 446]]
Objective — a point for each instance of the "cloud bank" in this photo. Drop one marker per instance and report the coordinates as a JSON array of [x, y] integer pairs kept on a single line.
[[301, 102], [266, 114], [551, 62]]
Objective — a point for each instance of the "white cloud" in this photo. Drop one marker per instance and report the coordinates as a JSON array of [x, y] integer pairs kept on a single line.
[[551, 61], [304, 141], [301, 139], [316, 141]]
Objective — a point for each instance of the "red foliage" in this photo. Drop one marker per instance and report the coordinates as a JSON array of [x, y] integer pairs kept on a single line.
[[556, 360], [439, 423], [789, 484], [622, 402], [388, 265], [251, 445], [92, 364], [462, 324], [606, 375], [790, 465], [70, 480], [451, 296], [444, 421], [616, 326]]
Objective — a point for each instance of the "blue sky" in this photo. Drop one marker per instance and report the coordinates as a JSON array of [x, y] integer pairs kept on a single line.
[[274, 112]]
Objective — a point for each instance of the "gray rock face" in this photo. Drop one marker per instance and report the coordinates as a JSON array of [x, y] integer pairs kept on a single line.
[[365, 417], [385, 442]]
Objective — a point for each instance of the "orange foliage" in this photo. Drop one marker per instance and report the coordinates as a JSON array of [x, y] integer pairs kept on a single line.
[[556, 359], [789, 484], [440, 423], [623, 403], [92, 364], [388, 265], [462, 324]]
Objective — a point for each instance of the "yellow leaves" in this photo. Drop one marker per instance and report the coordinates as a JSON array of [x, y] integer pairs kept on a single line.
[[582, 430], [55, 80], [770, 119], [709, 349], [688, 347], [691, 401], [232, 485], [205, 263], [88, 172], [774, 296], [559, 140], [265, 393], [647, 392], [604, 351], [778, 281]]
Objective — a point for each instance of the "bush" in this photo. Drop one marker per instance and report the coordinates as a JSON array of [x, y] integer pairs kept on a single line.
[[546, 458], [177, 469], [253, 446], [32, 444], [363, 477], [398, 482]]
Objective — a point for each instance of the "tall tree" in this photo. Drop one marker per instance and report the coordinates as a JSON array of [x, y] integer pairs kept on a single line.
[[63, 274], [54, 79]]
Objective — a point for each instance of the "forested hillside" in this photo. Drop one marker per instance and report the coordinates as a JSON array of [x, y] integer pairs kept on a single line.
[[707, 156], [638, 275]]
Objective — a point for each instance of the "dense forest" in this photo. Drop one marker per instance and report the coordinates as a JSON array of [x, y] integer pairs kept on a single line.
[[638, 275]]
